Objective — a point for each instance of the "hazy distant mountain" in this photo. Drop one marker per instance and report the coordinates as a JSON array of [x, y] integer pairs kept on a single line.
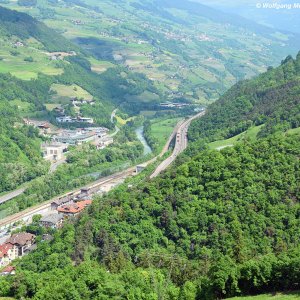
[[276, 17]]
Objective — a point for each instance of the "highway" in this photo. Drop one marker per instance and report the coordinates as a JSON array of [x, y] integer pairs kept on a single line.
[[180, 144], [107, 183]]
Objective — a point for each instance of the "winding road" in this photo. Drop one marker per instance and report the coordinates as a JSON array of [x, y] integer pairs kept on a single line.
[[117, 129]]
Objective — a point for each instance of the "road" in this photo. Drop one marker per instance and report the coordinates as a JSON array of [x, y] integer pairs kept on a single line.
[[56, 164], [12, 195], [26, 215], [113, 115], [180, 144], [109, 182]]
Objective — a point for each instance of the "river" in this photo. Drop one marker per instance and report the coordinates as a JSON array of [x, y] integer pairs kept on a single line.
[[140, 134]]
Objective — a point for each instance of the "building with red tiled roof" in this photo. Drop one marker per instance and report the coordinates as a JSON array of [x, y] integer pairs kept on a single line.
[[8, 253], [75, 208], [9, 270]]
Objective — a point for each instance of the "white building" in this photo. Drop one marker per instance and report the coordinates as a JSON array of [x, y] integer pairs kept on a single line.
[[73, 137], [53, 151], [68, 119], [104, 142], [64, 119]]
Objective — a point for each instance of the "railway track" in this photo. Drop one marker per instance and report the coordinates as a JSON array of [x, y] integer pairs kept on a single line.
[[181, 142], [47, 204]]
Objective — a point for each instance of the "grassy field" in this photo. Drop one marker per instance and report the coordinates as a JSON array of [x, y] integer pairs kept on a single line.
[[100, 66], [162, 129], [66, 92], [277, 296], [294, 131], [22, 106], [250, 134], [25, 62]]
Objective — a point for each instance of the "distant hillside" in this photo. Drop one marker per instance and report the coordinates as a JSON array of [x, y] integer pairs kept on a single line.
[[13, 23], [271, 99], [189, 51], [282, 18], [20, 156]]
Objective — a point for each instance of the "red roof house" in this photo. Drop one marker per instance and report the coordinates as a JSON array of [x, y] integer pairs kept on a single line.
[[75, 208]]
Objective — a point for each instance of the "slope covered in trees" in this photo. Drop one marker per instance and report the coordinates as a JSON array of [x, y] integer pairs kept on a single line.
[[271, 99], [218, 224], [222, 224], [20, 158], [18, 24]]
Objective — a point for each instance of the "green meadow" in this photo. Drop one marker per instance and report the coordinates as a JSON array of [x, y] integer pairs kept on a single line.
[[63, 93], [276, 296], [251, 133], [162, 129]]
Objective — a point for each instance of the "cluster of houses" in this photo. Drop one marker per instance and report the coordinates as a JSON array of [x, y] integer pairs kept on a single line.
[[60, 55], [63, 209], [18, 44], [60, 139], [61, 117], [17, 245], [20, 244], [78, 102], [43, 127], [78, 22], [97, 136]]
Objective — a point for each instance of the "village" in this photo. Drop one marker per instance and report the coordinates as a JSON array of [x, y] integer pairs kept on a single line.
[[21, 243], [60, 139]]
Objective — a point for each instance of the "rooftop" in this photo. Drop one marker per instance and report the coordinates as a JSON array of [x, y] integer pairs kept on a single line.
[[53, 218], [20, 238], [4, 249], [8, 269], [75, 207]]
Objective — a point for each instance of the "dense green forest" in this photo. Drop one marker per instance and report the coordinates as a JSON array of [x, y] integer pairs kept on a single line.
[[20, 158], [221, 224], [217, 224]]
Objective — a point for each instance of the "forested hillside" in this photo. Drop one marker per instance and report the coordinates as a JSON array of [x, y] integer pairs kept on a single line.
[[20, 158], [216, 225], [222, 224], [24, 27], [271, 99]]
